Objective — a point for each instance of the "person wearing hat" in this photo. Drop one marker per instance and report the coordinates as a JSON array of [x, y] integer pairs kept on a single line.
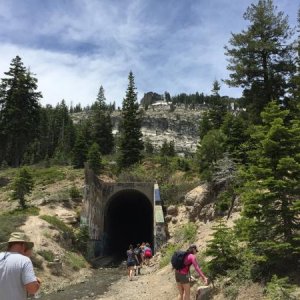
[[182, 276], [17, 278]]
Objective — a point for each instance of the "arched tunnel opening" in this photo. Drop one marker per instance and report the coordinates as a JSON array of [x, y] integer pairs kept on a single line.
[[128, 220]]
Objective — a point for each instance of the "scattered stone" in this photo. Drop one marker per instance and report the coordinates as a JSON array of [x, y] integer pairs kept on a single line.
[[172, 210]]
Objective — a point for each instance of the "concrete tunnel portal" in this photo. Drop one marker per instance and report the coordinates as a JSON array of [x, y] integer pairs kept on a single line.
[[128, 220]]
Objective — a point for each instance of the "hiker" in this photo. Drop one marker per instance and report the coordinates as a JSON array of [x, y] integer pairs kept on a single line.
[[17, 276], [147, 254], [182, 276], [131, 262], [143, 245], [138, 252]]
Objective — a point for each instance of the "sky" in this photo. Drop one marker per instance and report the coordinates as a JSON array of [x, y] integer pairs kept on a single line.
[[75, 46]]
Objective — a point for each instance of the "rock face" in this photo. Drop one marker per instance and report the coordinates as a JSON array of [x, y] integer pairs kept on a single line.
[[179, 125], [198, 204]]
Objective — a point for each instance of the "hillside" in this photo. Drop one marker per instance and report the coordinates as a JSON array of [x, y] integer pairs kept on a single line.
[[57, 261]]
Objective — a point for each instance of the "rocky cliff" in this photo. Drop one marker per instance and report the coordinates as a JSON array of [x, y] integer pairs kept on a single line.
[[159, 124]]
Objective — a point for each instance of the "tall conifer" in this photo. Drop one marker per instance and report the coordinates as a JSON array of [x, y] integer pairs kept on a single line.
[[131, 144], [271, 192], [260, 58], [19, 112]]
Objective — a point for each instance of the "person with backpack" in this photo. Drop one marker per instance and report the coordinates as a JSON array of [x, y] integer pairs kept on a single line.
[[147, 254], [181, 262], [138, 253], [131, 261]]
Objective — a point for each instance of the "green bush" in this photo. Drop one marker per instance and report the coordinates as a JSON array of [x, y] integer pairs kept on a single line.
[[58, 224], [224, 201], [46, 176], [279, 289], [48, 255], [81, 238], [75, 261], [167, 253], [186, 233], [74, 192], [173, 194], [223, 250]]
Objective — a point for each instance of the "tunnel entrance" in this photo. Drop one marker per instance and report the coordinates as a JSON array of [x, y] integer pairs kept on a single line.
[[128, 220]]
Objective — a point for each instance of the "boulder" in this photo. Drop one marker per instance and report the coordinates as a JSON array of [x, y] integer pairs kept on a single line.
[[197, 195], [172, 210], [204, 293]]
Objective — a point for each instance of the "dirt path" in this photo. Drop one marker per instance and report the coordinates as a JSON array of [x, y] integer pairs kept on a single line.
[[158, 285]]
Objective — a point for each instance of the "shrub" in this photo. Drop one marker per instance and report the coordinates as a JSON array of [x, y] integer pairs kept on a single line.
[[172, 194], [167, 253], [186, 233], [22, 186], [223, 250], [46, 176], [58, 224], [75, 261], [279, 289], [74, 192], [82, 237], [48, 255]]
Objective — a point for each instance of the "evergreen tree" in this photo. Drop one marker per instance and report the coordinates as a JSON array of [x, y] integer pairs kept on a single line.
[[102, 125], [164, 150], [235, 129], [82, 144], [94, 158], [149, 148], [22, 186], [217, 107], [19, 112], [209, 150], [260, 57], [205, 125], [271, 190], [223, 251], [101, 100], [131, 144]]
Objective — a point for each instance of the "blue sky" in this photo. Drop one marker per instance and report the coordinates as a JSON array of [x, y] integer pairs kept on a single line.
[[74, 46]]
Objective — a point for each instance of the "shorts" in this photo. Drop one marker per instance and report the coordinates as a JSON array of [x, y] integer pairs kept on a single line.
[[131, 263], [182, 278]]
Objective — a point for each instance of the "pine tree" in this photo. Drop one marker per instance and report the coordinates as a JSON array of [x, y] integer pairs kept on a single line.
[[209, 150], [235, 129], [271, 191], [22, 186], [260, 57], [223, 251], [82, 144], [94, 158], [102, 125], [217, 107], [19, 112], [131, 144]]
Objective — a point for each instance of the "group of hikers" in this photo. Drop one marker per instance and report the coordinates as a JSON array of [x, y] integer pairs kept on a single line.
[[181, 262], [18, 280], [137, 257]]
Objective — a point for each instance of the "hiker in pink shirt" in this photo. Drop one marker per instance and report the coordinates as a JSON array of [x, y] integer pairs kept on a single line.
[[182, 276]]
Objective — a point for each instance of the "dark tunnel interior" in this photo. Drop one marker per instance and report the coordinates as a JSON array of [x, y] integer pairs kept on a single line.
[[128, 220]]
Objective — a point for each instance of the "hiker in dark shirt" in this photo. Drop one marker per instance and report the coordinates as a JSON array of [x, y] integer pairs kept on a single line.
[[138, 252], [131, 262]]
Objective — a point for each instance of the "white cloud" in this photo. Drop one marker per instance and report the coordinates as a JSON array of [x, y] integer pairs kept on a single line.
[[74, 47]]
